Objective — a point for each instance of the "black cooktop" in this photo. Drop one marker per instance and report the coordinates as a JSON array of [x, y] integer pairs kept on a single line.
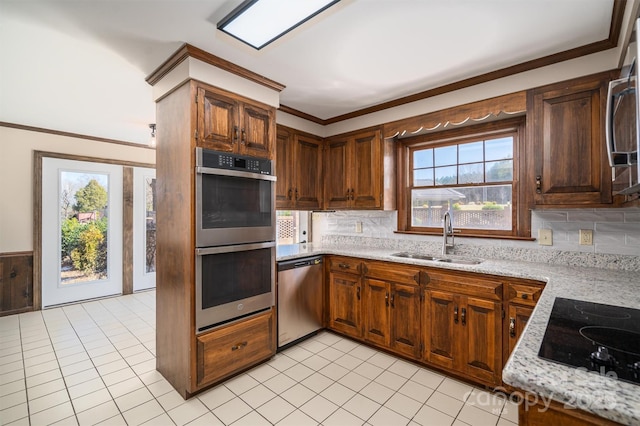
[[594, 336]]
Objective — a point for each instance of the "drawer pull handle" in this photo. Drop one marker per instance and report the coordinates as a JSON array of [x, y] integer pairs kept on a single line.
[[244, 139], [344, 265], [289, 195], [235, 133], [386, 299], [525, 296], [393, 298], [512, 327], [455, 314], [538, 184], [464, 316], [239, 346]]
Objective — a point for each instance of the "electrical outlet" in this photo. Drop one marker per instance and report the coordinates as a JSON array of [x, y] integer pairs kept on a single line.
[[545, 237], [358, 226], [586, 237]]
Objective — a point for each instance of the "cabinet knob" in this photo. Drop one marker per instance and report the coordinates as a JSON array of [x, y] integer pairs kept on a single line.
[[538, 184], [13, 273], [386, 299], [352, 196], [239, 346], [358, 293], [463, 316], [525, 296], [235, 133], [512, 327], [243, 141], [393, 298], [296, 194], [290, 194], [455, 314]]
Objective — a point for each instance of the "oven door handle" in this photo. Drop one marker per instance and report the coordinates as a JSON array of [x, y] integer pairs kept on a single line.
[[231, 249], [233, 173]]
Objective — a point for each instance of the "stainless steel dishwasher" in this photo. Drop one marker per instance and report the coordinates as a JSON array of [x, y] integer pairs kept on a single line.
[[299, 298]]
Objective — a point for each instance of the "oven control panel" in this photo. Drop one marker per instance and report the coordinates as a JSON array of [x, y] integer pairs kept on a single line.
[[223, 160]]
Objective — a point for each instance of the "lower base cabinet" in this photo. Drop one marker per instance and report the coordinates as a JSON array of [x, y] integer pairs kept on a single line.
[[555, 413], [233, 348], [465, 323]]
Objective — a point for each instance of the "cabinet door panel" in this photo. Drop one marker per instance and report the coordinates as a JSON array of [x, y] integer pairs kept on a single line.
[[344, 303], [336, 184], [376, 294], [482, 320], [366, 170], [440, 341], [217, 116], [405, 319], [308, 173], [569, 149], [255, 132], [284, 168], [517, 320]]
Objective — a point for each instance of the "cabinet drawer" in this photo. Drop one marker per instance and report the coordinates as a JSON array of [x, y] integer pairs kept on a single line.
[[345, 264], [230, 349], [394, 272], [524, 294], [467, 284]]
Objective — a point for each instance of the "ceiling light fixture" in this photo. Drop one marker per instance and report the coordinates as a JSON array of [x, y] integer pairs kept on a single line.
[[152, 141], [260, 22]]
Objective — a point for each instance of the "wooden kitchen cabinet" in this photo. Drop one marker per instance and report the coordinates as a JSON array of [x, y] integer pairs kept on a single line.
[[298, 169], [568, 160], [345, 296], [463, 325], [16, 283], [520, 299], [359, 171], [392, 296], [235, 347], [230, 123]]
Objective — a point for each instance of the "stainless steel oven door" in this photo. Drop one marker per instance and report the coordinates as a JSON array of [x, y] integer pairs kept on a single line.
[[234, 207], [233, 281]]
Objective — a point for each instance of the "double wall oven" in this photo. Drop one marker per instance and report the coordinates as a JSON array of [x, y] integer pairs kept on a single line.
[[235, 237]]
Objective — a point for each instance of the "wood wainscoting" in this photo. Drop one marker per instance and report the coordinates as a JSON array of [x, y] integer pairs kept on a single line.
[[16, 282]]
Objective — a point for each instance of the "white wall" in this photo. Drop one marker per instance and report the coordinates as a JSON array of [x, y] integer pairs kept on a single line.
[[17, 176], [54, 81]]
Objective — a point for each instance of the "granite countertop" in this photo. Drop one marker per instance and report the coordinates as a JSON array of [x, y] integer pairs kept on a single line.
[[606, 397]]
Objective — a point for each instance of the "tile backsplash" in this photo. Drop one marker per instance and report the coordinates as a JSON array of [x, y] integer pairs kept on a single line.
[[616, 233]]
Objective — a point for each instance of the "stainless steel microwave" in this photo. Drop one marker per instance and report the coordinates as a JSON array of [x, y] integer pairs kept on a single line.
[[622, 128], [235, 199]]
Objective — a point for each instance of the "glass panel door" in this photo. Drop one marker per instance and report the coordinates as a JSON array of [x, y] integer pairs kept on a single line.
[[81, 230], [144, 228]]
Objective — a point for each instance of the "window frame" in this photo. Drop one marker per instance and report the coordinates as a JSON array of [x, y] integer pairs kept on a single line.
[[514, 127]]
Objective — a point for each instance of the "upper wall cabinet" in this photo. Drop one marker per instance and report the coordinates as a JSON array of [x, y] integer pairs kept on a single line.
[[299, 170], [230, 123], [567, 152], [359, 171]]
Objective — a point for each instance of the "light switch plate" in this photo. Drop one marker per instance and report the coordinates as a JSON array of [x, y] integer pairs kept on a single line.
[[586, 237], [545, 237], [358, 226]]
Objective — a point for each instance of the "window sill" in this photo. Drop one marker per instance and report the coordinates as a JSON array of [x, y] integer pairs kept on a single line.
[[493, 237]]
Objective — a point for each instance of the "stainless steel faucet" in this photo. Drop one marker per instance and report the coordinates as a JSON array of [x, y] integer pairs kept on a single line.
[[447, 231]]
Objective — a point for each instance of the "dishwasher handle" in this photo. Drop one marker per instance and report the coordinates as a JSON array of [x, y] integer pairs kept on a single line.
[[299, 263]]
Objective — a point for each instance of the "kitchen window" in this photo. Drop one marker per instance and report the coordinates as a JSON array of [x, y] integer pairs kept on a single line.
[[470, 172]]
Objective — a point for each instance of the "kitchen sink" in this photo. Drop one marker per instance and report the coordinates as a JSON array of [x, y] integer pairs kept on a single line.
[[454, 260], [414, 256]]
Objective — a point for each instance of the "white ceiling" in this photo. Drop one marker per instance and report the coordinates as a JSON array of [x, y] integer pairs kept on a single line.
[[357, 54]]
